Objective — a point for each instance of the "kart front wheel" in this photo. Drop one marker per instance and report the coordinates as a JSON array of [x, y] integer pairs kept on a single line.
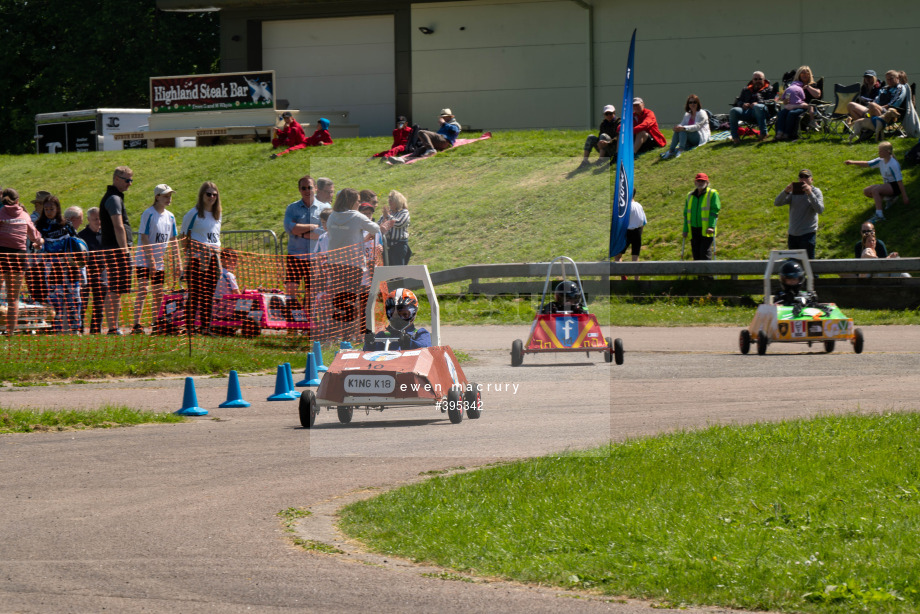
[[454, 406], [858, 341], [762, 343], [744, 341], [608, 353], [472, 400], [618, 351], [308, 409], [829, 346], [345, 413], [517, 353]]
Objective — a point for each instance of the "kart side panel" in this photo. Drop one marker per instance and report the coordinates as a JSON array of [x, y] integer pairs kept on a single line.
[[810, 324]]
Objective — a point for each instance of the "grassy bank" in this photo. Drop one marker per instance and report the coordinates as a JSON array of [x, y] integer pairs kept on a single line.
[[28, 421], [818, 516]]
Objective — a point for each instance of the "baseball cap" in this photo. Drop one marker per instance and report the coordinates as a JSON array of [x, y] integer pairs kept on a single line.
[[162, 189], [638, 100], [610, 109], [701, 177], [870, 73], [805, 173]]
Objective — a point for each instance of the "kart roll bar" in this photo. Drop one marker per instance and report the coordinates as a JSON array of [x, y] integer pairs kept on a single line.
[[784, 254], [408, 271], [549, 272]]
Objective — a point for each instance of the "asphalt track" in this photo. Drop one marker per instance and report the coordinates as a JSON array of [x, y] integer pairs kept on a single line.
[[182, 518]]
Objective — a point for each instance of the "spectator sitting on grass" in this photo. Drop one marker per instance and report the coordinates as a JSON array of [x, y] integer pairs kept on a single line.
[[692, 131], [401, 135], [646, 134], [429, 143], [605, 141]]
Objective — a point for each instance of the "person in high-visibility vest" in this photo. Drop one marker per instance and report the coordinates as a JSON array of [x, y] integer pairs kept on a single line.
[[701, 212]]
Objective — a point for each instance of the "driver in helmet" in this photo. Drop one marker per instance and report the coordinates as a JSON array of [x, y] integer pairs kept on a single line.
[[793, 290], [566, 299], [401, 308]]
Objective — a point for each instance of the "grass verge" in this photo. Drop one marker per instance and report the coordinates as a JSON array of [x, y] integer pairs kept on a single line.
[[818, 515], [28, 421]]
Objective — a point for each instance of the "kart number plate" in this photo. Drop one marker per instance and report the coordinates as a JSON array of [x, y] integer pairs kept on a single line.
[[370, 384]]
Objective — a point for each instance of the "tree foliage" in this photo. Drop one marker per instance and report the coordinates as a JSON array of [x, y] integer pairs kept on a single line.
[[61, 55]]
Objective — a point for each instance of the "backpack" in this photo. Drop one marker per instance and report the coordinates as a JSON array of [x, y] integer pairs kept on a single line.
[[715, 123], [912, 157]]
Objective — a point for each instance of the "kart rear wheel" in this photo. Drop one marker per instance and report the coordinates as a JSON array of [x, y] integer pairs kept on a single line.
[[858, 341], [608, 353], [308, 409], [345, 413], [517, 353], [472, 400], [829, 346], [744, 341], [762, 343], [454, 406], [618, 351]]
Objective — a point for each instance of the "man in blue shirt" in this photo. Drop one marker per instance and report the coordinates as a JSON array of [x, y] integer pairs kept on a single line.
[[303, 227]]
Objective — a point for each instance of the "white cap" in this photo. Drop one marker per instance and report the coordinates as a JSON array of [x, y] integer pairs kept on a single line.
[[610, 109], [162, 189]]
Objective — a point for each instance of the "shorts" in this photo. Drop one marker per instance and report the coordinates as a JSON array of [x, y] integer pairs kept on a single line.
[[12, 260], [299, 268], [158, 278], [895, 188], [118, 268], [633, 239]]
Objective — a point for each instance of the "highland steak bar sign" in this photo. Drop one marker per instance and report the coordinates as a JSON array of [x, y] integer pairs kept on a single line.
[[251, 90]]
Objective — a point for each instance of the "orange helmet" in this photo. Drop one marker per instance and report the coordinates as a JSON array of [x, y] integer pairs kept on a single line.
[[401, 307]]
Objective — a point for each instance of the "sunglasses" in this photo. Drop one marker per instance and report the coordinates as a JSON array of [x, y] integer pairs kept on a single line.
[[210, 193], [757, 79], [868, 232], [126, 179], [305, 188]]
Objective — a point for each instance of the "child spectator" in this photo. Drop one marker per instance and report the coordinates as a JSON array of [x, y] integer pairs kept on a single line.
[[400, 137], [62, 277], [321, 136], [322, 243], [157, 233], [891, 175], [227, 283], [395, 222], [605, 141]]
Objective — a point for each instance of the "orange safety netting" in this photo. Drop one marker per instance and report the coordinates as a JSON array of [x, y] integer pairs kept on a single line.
[[171, 296]]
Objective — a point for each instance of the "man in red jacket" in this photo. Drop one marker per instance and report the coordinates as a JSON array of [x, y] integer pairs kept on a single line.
[[646, 135]]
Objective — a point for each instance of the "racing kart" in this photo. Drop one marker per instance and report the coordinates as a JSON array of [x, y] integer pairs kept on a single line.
[[378, 380], [804, 322], [251, 312], [33, 317], [566, 331]]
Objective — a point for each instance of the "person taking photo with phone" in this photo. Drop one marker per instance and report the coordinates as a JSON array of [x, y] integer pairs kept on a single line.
[[805, 202]]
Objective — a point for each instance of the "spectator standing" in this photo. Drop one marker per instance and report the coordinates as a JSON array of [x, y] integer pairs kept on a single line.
[[428, 143], [35, 272], [646, 134], [157, 234], [605, 141], [62, 279], [324, 192], [322, 243], [806, 203], [38, 203], [395, 221], [201, 235], [116, 241], [750, 106], [701, 213], [637, 222], [692, 131], [16, 228], [96, 281], [302, 225], [401, 135], [892, 182]]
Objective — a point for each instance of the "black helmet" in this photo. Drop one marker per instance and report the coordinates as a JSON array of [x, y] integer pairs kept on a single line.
[[568, 294], [791, 275], [401, 307]]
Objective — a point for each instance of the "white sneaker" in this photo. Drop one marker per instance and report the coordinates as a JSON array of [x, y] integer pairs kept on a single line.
[[396, 160], [429, 152]]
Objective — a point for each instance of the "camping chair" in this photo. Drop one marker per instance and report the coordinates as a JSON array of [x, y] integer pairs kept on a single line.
[[896, 129], [833, 115], [771, 111]]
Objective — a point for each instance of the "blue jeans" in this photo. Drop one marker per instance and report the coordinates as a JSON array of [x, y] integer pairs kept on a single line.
[[685, 140], [806, 242], [755, 113], [787, 121]]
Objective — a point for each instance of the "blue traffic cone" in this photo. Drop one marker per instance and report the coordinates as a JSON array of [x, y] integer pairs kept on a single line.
[[282, 390], [190, 401], [311, 377], [234, 394], [318, 355], [345, 345], [290, 382]]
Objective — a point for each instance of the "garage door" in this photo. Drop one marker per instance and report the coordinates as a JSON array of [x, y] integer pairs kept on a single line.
[[341, 64]]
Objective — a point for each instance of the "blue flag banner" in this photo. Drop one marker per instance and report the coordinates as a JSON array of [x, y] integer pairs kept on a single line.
[[622, 196]]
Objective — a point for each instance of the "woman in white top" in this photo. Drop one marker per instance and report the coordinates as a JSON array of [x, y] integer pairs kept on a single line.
[[201, 237], [692, 131]]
